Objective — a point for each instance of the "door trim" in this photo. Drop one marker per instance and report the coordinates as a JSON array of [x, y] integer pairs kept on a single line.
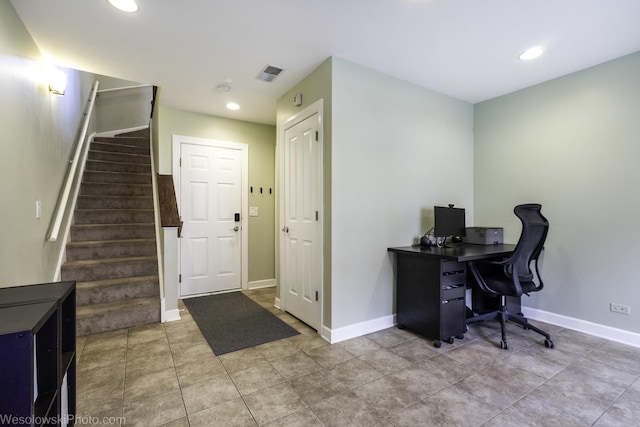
[[316, 108], [244, 197]]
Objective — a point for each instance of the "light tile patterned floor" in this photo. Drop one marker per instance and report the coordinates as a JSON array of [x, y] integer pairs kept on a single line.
[[166, 374]]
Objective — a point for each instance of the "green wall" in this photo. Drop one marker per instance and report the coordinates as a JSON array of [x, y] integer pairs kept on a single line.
[[572, 145], [314, 87], [388, 156], [261, 140], [397, 150], [39, 130]]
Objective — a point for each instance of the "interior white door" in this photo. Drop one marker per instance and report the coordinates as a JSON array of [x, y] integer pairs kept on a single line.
[[302, 255], [211, 201]]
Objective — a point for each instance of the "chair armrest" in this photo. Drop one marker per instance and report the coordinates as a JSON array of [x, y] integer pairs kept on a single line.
[[540, 283], [479, 279], [515, 278]]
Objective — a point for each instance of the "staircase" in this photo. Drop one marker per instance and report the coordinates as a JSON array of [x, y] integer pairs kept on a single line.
[[112, 249]]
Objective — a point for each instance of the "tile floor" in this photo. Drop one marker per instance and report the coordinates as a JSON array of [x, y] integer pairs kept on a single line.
[[166, 374]]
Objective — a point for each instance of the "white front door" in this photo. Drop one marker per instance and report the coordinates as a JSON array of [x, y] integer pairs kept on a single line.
[[301, 258], [211, 205]]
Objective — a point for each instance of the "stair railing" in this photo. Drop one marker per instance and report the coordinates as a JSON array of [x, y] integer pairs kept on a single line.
[[74, 171]]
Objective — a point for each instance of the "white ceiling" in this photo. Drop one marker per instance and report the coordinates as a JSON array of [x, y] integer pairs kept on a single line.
[[463, 48]]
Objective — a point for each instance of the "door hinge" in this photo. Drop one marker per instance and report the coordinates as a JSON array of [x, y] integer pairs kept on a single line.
[[180, 162], [316, 295], [316, 215], [179, 278], [316, 135]]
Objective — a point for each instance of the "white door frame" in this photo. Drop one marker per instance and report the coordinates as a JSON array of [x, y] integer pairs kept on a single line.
[[283, 125], [244, 212]]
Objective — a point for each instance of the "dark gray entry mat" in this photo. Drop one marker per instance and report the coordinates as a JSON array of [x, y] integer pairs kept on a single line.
[[232, 321]]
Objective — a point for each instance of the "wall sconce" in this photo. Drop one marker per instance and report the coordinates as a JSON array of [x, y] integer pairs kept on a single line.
[[57, 81]]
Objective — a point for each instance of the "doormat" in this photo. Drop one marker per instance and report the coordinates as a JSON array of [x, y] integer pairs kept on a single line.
[[232, 321]]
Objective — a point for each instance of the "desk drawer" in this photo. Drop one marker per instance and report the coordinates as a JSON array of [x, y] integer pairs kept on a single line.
[[452, 318], [454, 279], [452, 267], [450, 292]]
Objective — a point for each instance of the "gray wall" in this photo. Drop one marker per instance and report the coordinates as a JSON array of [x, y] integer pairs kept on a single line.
[[571, 144], [39, 130]]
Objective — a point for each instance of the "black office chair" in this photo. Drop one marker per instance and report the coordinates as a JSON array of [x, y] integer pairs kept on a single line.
[[515, 277]]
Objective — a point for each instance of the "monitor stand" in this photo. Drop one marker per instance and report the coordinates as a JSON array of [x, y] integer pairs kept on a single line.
[[455, 242]]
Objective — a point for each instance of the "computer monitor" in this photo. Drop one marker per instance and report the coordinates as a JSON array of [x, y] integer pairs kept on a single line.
[[448, 221]]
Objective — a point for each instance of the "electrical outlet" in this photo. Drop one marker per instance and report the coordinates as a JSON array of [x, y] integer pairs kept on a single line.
[[620, 308]]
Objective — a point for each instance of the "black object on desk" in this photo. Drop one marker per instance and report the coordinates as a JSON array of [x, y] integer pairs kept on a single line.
[[431, 285]]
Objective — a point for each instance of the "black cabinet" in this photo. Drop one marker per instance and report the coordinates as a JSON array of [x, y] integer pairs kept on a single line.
[[431, 284], [37, 354], [431, 296]]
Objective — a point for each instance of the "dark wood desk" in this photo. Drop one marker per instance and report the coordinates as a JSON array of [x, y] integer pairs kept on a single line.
[[431, 287]]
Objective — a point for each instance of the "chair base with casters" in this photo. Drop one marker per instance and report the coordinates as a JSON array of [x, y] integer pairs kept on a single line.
[[514, 276], [504, 316]]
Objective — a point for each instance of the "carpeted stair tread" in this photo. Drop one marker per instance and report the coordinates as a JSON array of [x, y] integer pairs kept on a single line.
[[117, 315], [117, 177], [112, 290], [115, 189], [107, 242], [138, 142], [138, 133], [113, 216], [92, 262], [84, 232], [114, 202], [108, 282], [102, 165], [110, 307], [87, 270], [119, 147], [101, 249], [111, 156]]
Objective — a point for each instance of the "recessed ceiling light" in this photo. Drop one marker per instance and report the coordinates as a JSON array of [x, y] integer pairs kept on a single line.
[[233, 106], [531, 53], [125, 5]]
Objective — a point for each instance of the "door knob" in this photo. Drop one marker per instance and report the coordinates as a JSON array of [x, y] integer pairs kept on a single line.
[[285, 229], [236, 228]]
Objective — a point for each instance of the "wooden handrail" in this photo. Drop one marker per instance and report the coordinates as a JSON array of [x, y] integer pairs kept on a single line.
[[54, 230], [169, 216]]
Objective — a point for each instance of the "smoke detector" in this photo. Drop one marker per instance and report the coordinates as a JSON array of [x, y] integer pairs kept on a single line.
[[223, 88], [269, 73]]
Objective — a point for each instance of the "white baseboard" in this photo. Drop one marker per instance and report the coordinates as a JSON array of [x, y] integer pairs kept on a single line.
[[116, 132], [258, 284], [357, 329], [171, 315], [277, 304], [168, 315], [602, 331]]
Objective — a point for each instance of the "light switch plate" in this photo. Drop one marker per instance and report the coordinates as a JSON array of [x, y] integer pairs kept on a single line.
[[253, 211]]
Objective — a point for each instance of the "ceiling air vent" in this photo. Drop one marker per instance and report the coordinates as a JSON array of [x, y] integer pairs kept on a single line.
[[269, 73]]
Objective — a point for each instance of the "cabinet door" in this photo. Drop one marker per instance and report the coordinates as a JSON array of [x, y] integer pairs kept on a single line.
[[16, 370]]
